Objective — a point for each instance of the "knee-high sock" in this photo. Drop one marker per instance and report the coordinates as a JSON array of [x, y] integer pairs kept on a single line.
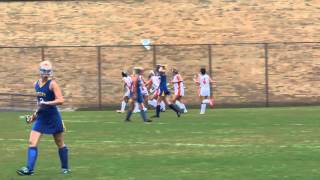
[[143, 115], [32, 157], [163, 106], [129, 113], [203, 108], [123, 105], [136, 107], [158, 111], [182, 106], [63, 154], [178, 104], [174, 107]]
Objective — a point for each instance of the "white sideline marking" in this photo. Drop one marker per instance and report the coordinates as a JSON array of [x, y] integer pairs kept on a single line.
[[106, 122], [80, 121], [197, 132], [312, 146], [298, 124]]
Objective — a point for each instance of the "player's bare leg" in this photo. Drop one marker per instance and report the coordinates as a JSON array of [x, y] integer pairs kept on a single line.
[[178, 101], [123, 104], [204, 101]]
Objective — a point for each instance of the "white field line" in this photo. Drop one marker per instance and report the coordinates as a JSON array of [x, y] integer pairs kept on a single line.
[[85, 121], [197, 145], [106, 122]]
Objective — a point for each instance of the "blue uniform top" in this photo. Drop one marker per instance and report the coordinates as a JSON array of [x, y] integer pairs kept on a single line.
[[163, 81], [48, 119], [163, 85], [139, 86], [45, 94]]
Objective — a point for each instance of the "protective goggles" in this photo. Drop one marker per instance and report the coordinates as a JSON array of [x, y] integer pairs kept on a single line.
[[45, 71]]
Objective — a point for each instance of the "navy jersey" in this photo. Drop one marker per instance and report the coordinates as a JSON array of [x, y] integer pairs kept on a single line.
[[163, 81], [163, 85], [45, 94], [139, 89], [139, 85], [49, 119]]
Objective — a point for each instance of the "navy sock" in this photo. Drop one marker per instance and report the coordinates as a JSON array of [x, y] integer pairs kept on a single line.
[[143, 115], [32, 157], [63, 154], [129, 113], [174, 108], [158, 109]]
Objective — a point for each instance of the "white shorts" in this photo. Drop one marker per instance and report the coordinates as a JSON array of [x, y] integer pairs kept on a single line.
[[204, 92], [145, 91], [178, 92], [127, 93]]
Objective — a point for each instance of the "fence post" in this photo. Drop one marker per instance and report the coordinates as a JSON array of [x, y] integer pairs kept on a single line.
[[42, 54], [210, 66], [154, 60], [99, 75], [266, 61], [11, 103]]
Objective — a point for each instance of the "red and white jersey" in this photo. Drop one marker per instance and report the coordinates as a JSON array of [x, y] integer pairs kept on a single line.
[[177, 82], [155, 82], [127, 82], [204, 81], [144, 87]]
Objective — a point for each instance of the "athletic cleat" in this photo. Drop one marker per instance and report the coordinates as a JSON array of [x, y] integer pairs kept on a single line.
[[24, 171], [154, 116], [148, 121], [178, 113], [201, 112], [127, 120], [119, 111], [65, 171]]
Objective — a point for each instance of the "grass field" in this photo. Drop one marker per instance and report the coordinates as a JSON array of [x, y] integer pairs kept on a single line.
[[226, 144]]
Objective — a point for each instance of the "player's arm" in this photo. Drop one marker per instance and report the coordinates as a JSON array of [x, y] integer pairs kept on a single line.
[[59, 100], [134, 87], [212, 82], [196, 79], [31, 118], [145, 83], [125, 85], [149, 84], [143, 80], [210, 79], [34, 84]]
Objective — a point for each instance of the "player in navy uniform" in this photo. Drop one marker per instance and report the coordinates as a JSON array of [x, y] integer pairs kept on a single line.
[[136, 94], [47, 120], [164, 92]]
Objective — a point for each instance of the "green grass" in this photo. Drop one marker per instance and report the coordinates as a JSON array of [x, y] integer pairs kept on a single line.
[[226, 144]]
